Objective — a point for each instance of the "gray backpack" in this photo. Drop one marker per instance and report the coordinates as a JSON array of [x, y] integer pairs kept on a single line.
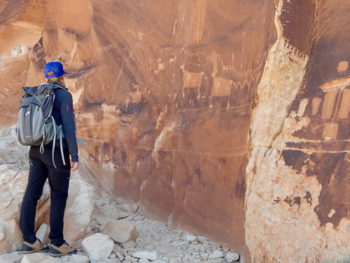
[[36, 125]]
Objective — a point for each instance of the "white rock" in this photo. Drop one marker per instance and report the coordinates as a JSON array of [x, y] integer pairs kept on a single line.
[[79, 259], [143, 260], [216, 254], [120, 231], [190, 238], [151, 255], [11, 258], [159, 261], [39, 258], [43, 233], [98, 246], [231, 256]]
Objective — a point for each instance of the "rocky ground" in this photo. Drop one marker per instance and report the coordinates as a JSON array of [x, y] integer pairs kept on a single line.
[[116, 231]]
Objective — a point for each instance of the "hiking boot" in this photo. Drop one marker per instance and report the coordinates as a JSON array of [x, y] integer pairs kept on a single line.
[[37, 246], [62, 250]]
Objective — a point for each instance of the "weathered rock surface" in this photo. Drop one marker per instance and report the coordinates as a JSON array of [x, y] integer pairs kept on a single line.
[[217, 116]]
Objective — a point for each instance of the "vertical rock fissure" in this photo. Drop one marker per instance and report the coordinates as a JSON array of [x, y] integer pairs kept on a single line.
[[282, 78]]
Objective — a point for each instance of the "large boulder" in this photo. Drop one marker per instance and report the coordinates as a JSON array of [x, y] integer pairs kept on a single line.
[[12, 187]]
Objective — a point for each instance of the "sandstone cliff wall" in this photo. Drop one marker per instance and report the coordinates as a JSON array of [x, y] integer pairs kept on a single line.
[[226, 118]]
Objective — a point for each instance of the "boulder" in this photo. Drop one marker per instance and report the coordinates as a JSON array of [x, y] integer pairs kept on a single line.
[[39, 258], [98, 246], [12, 187], [121, 231]]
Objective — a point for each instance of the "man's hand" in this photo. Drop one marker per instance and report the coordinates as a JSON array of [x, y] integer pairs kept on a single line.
[[73, 166]]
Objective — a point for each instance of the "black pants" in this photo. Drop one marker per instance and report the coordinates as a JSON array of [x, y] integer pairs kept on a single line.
[[41, 168]]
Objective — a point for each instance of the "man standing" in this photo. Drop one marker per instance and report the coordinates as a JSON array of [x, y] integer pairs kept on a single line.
[[55, 167]]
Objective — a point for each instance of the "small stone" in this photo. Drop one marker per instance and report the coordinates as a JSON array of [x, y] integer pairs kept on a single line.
[[216, 254], [231, 257], [143, 260], [190, 238], [201, 239], [121, 231], [112, 256], [151, 255], [11, 258], [43, 233], [98, 246], [159, 261]]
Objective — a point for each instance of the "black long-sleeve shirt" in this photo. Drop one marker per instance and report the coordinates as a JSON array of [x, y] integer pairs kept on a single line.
[[63, 114]]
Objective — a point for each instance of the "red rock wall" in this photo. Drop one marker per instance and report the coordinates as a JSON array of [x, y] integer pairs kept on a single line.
[[211, 114]]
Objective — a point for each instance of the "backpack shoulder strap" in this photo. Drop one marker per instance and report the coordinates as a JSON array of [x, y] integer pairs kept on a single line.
[[58, 86]]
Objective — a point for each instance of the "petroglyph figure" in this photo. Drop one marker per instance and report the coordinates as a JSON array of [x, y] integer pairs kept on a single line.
[[192, 81]]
